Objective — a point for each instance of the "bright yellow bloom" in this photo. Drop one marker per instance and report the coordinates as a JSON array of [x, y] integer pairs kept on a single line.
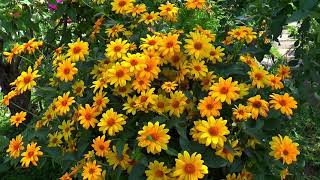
[[66, 70], [6, 99], [259, 77], [121, 6], [198, 45], [137, 9], [15, 146], [117, 49], [149, 18], [91, 171], [170, 45], [275, 82], [198, 69], [177, 103], [66, 128], [118, 75], [161, 102], [78, 88], [123, 91], [209, 106], [284, 148], [115, 30], [258, 106], [55, 139], [169, 86], [154, 137], [195, 4], [78, 50], [135, 62], [31, 155], [249, 60], [122, 159], [101, 146], [63, 103], [18, 118], [151, 69], [100, 101], [130, 106], [216, 54], [284, 72], [229, 154], [141, 84], [26, 81], [241, 113], [88, 116], [225, 90], [157, 171], [189, 167], [207, 81], [169, 11], [213, 132], [284, 103], [150, 42], [111, 122]]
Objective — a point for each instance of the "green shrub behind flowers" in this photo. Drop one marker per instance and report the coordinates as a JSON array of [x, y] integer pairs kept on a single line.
[[146, 95]]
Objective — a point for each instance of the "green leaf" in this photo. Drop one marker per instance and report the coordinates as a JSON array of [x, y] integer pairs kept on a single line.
[[137, 172], [4, 141], [172, 152], [214, 161]]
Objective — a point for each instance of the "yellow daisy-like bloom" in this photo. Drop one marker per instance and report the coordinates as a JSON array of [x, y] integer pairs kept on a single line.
[[111, 122], [209, 106], [91, 171], [123, 91], [149, 18], [18, 118], [115, 30], [177, 103], [284, 148], [6, 99], [284, 103], [275, 82], [284, 173], [100, 101], [157, 171], [55, 139], [213, 131], [198, 69], [170, 45], [232, 176], [115, 159], [137, 9], [117, 49], [154, 137], [238, 34], [15, 146], [284, 72], [169, 86], [225, 90], [66, 70], [161, 102], [63, 103], [189, 167], [99, 84], [78, 50], [151, 70], [88, 116], [259, 77], [31, 46], [177, 59], [169, 11], [207, 81], [121, 6], [198, 46], [118, 75], [150, 42], [229, 154], [244, 90], [78, 88], [258, 106], [146, 99], [249, 60], [216, 54], [195, 4], [101, 146], [241, 113], [135, 62], [66, 176], [66, 128], [26, 81], [31, 155], [141, 84]]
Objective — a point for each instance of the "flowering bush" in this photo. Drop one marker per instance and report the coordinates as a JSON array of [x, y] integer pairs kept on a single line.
[[146, 94]]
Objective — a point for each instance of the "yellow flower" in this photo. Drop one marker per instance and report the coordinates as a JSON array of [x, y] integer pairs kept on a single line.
[[198, 69], [284, 148], [177, 103], [207, 81], [137, 9], [6, 99], [88, 116], [169, 11], [284, 173], [141, 84], [18, 118], [26, 81], [284, 72], [118, 75], [117, 49], [170, 45], [157, 171], [15, 146], [258, 106], [229, 153], [275, 82], [213, 131], [130, 106], [115, 30], [149, 18], [249, 60], [250, 35], [225, 90], [198, 46], [177, 59], [161, 102], [78, 88], [66, 176], [101, 146], [31, 46], [284, 103], [63, 103], [209, 107], [189, 167], [66, 70], [232, 176], [195, 4], [154, 137], [123, 91], [31, 155], [216, 54], [100, 101], [78, 50], [121, 159], [99, 84], [241, 113], [121, 6], [150, 42], [135, 62], [91, 171], [66, 128], [169, 86], [55, 139], [259, 77], [111, 122], [151, 69]]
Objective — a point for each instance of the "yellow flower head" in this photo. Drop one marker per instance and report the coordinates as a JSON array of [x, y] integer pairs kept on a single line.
[[18, 118], [177, 103], [118, 75], [229, 153], [78, 50], [169, 86], [157, 171], [91, 171], [55, 139], [63, 103], [66, 70], [15, 146], [216, 54], [258, 106], [225, 90], [275, 82], [78, 88], [26, 81], [121, 159], [209, 106], [198, 69], [111, 122], [31, 155], [170, 45], [284, 148], [149, 18], [101, 146], [195, 4], [284, 72], [284, 103], [117, 49], [88, 116], [198, 45], [241, 113], [121, 6], [259, 77], [115, 30], [66, 128]]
